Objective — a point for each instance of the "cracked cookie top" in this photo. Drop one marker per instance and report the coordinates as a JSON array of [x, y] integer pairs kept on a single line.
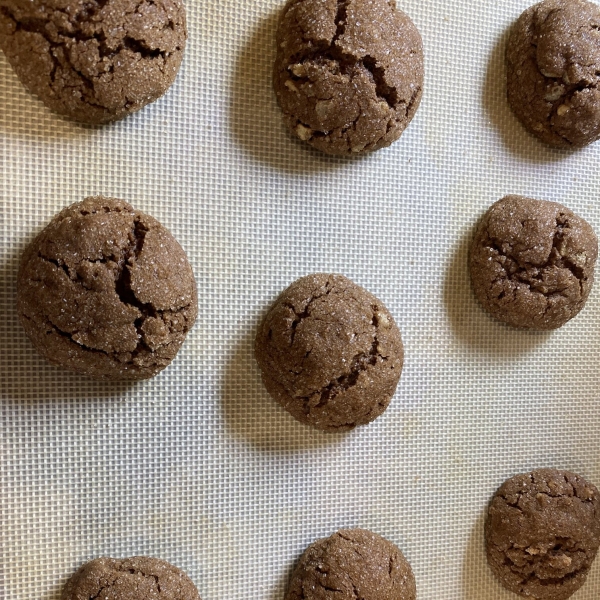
[[352, 564], [348, 74], [553, 72], [532, 262], [330, 353], [94, 61], [135, 578], [106, 291], [542, 533]]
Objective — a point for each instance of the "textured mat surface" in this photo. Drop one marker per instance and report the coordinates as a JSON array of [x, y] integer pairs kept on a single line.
[[199, 466]]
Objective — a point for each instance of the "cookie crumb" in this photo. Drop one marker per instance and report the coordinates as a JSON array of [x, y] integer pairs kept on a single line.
[[304, 133]]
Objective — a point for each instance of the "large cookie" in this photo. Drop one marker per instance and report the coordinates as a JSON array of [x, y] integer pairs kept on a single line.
[[532, 262], [553, 71], [330, 353], [542, 533], [136, 578], [94, 60], [106, 291], [351, 564], [348, 74]]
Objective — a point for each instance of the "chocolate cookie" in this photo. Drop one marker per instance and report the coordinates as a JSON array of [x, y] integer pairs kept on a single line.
[[532, 262], [542, 533], [348, 73], [136, 578], [330, 353], [106, 290], [94, 60], [352, 563], [553, 72]]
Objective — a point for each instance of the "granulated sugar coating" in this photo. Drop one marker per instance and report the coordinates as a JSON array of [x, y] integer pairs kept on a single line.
[[94, 61], [532, 262], [348, 74], [330, 353], [136, 578], [553, 72], [542, 533], [106, 291], [351, 564]]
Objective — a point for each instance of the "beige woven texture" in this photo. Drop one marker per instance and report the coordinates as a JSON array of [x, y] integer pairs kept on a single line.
[[199, 466]]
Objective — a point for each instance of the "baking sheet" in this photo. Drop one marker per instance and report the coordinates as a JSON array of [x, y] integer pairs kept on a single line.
[[199, 466]]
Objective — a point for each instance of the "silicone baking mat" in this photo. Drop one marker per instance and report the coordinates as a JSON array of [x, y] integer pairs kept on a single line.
[[199, 466]]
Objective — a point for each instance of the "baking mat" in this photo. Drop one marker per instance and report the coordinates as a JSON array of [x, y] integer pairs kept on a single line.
[[199, 466]]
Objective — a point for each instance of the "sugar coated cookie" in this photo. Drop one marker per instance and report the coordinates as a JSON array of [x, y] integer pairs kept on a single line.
[[532, 262], [351, 564], [106, 291], [553, 72], [330, 352], [136, 578], [542, 533], [348, 74], [94, 60]]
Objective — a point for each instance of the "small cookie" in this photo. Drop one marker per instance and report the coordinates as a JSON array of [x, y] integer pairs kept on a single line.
[[542, 533], [553, 72], [532, 262], [352, 563], [330, 353], [348, 75], [135, 578], [94, 61], [106, 291]]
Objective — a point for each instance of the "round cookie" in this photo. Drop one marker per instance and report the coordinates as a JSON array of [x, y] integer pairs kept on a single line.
[[135, 578], [353, 563], [94, 61], [330, 353], [348, 75], [542, 533], [532, 262], [106, 291], [553, 72]]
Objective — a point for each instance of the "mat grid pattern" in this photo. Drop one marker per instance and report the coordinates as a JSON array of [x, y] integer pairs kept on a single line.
[[199, 466]]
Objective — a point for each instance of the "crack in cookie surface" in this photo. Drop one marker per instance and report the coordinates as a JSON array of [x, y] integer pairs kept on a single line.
[[516, 270]]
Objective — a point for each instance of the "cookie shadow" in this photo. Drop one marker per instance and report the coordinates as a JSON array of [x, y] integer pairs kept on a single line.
[[514, 136], [477, 579], [471, 323], [255, 118], [24, 116], [55, 592], [26, 377], [252, 416], [280, 588]]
